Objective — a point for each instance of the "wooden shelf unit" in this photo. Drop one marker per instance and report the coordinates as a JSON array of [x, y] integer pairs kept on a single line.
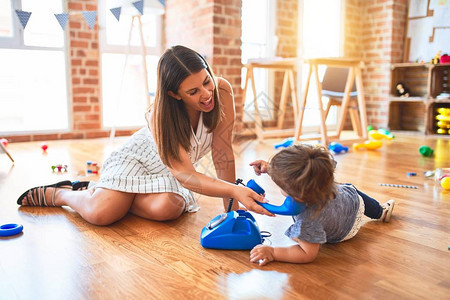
[[417, 113]]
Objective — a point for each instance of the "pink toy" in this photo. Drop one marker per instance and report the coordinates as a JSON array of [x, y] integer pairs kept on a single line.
[[44, 147]]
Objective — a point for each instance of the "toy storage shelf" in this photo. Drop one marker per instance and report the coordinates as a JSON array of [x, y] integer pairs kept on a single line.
[[417, 113]]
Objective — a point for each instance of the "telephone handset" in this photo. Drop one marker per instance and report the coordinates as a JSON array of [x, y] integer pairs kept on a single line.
[[290, 207]]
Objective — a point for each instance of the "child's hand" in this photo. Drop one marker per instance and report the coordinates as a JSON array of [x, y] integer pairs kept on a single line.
[[262, 254], [259, 166]]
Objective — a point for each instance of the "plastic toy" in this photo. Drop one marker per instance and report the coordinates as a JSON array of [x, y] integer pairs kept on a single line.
[[10, 229], [377, 135], [337, 148], [5, 142], [369, 128], [399, 185], [235, 230], [59, 168], [426, 151], [290, 207], [441, 173], [92, 167], [238, 230], [402, 90], [445, 183], [411, 174], [44, 147], [285, 143], [386, 132], [369, 145]]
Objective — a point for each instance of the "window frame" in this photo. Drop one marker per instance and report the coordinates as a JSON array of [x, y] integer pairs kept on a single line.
[[271, 41], [17, 41], [130, 50]]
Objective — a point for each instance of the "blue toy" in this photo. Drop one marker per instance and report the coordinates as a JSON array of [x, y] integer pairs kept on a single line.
[[238, 230], [285, 143], [337, 148], [235, 230], [10, 229], [290, 207]]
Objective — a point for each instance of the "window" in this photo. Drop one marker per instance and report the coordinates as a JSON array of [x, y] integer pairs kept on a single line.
[[33, 81], [322, 36], [125, 91], [258, 36]]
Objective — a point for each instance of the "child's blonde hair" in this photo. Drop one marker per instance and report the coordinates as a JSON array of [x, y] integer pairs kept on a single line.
[[304, 172]]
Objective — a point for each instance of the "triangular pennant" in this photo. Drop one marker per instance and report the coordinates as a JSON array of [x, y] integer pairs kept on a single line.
[[23, 16], [62, 19], [89, 16], [139, 6], [116, 12], [163, 2]]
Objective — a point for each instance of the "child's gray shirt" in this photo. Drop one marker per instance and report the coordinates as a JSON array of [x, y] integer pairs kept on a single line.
[[332, 223]]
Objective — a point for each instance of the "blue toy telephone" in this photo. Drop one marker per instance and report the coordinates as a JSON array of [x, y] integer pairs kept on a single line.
[[235, 230], [238, 230], [290, 207]]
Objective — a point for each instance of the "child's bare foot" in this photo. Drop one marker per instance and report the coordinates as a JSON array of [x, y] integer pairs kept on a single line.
[[388, 207]]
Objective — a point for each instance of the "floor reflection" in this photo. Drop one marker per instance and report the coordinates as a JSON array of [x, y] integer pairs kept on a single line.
[[257, 284]]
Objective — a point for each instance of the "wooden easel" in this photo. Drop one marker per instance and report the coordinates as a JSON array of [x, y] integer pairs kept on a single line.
[[3, 148], [144, 64], [288, 65], [354, 74]]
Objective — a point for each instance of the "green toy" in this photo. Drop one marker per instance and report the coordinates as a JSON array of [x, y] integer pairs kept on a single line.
[[426, 151]]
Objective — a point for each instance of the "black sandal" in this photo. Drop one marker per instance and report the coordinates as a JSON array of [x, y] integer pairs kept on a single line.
[[80, 185], [39, 193]]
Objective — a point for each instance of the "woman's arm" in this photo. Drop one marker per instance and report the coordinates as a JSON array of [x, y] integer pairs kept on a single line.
[[222, 150], [303, 252], [186, 174]]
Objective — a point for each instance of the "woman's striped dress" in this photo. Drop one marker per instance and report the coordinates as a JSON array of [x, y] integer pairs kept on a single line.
[[137, 168]]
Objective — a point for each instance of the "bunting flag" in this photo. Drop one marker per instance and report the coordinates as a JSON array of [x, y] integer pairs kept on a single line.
[[116, 12], [23, 16], [62, 19], [90, 16], [139, 6], [163, 2]]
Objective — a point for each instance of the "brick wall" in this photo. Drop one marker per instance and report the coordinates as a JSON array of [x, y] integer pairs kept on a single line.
[[213, 28], [375, 32]]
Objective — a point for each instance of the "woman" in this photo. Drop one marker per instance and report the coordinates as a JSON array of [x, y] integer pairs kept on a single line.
[[152, 175]]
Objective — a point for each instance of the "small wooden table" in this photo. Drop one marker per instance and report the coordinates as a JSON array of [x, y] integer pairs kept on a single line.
[[355, 66], [289, 66]]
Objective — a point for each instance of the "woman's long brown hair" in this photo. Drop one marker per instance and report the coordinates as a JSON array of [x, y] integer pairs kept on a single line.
[[170, 119]]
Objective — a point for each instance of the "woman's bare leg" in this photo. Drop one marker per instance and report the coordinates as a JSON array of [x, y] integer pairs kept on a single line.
[[158, 206], [97, 206]]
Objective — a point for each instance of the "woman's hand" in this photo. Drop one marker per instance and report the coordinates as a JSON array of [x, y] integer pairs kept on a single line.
[[262, 254], [248, 198], [259, 166]]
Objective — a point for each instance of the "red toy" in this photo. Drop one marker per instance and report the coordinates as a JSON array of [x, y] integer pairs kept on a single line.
[[44, 147], [92, 167], [5, 142], [59, 168], [445, 59]]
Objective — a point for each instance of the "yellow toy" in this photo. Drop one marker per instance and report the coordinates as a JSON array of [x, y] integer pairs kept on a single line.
[[376, 135], [369, 145], [445, 183]]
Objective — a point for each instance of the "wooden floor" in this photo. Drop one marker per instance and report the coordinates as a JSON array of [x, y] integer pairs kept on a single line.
[[60, 256]]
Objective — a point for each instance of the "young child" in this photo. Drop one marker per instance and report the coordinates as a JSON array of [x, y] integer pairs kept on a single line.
[[333, 211]]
